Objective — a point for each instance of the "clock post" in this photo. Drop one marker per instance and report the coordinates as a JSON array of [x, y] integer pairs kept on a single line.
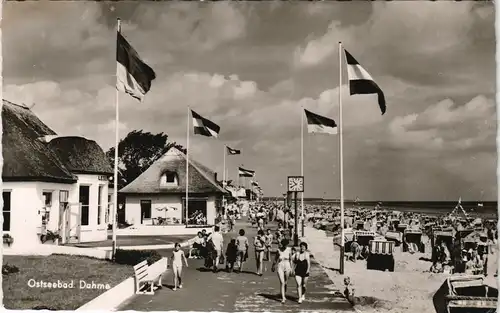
[[296, 185], [296, 226]]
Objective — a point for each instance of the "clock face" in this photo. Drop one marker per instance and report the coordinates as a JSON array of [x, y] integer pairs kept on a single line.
[[296, 184]]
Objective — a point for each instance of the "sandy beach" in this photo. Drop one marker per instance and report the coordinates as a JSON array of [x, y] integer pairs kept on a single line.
[[409, 288]]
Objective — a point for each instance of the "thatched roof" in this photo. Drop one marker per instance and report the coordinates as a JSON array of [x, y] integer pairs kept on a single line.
[[26, 157], [81, 155], [201, 179]]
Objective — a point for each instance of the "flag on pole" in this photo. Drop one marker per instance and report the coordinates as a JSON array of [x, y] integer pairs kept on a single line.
[[320, 124], [231, 151], [133, 76], [204, 127], [245, 173], [361, 82]]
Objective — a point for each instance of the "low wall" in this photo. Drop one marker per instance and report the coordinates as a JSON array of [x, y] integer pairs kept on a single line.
[[151, 247], [113, 298], [161, 230], [47, 249]]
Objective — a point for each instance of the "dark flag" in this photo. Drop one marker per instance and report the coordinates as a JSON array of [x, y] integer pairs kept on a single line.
[[360, 81], [231, 151], [245, 173], [133, 76], [204, 127], [320, 124]]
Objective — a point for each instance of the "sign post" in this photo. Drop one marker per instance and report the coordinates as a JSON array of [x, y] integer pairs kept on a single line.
[[296, 228]]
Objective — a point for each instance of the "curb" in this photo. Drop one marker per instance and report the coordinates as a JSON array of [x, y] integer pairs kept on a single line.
[[116, 296], [322, 268], [150, 247]]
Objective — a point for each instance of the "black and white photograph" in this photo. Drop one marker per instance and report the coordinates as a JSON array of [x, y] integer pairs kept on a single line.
[[245, 156]]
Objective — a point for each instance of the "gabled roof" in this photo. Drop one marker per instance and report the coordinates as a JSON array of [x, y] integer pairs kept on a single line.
[[29, 156], [201, 179]]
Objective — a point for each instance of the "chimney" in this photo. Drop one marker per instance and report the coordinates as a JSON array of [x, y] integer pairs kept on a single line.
[[215, 176]]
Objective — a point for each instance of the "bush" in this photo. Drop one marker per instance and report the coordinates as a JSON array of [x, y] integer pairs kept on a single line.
[[43, 307], [8, 239], [133, 257], [9, 269]]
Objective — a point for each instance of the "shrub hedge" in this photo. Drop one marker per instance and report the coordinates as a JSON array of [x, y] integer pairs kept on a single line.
[[9, 269], [133, 257]]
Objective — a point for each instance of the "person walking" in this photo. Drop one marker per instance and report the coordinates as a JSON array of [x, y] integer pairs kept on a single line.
[[282, 265], [302, 265], [177, 257], [269, 241], [260, 246], [242, 249], [218, 245]]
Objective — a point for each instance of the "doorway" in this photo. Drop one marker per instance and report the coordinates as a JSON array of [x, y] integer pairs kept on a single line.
[[145, 210]]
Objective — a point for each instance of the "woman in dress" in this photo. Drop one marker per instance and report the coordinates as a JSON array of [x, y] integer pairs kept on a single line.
[[302, 264], [260, 246], [283, 266]]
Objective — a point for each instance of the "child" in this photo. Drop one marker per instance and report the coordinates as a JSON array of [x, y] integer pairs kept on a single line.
[[231, 253], [177, 257], [269, 241]]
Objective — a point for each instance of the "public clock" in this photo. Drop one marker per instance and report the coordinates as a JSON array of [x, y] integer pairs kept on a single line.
[[296, 183]]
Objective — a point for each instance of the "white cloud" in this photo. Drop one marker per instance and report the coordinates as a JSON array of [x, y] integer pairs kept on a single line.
[[447, 125]]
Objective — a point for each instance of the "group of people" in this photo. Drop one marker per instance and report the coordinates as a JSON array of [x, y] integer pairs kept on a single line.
[[286, 262]]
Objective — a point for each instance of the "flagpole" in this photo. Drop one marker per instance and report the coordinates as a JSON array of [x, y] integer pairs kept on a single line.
[[117, 138], [342, 239], [302, 165], [187, 170], [224, 179]]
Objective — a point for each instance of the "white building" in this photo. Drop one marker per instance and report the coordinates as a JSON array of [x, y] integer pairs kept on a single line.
[[157, 196], [53, 183]]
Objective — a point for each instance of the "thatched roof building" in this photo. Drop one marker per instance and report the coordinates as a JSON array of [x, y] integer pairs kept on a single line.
[[201, 178], [81, 155], [30, 156]]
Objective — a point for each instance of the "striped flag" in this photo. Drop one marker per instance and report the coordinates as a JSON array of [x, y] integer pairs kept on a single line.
[[231, 151], [204, 127], [133, 76], [245, 173], [361, 82], [320, 124]]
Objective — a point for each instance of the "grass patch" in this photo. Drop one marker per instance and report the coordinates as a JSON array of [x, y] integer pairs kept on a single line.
[[17, 294]]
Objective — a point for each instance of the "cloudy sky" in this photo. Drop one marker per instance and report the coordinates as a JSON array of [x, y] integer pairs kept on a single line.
[[251, 67]]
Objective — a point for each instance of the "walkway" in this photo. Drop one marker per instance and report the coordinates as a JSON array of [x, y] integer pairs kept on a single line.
[[230, 292]]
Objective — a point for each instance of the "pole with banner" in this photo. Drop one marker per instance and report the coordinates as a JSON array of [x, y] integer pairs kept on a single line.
[[302, 170], [224, 180], [115, 170], [341, 158], [186, 206]]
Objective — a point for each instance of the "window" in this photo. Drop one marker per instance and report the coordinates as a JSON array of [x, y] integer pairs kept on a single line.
[[108, 210], [47, 196], [145, 209], [84, 197], [197, 211], [6, 210], [170, 178], [99, 204]]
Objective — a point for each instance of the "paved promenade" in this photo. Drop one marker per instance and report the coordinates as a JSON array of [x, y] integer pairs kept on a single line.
[[230, 292]]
